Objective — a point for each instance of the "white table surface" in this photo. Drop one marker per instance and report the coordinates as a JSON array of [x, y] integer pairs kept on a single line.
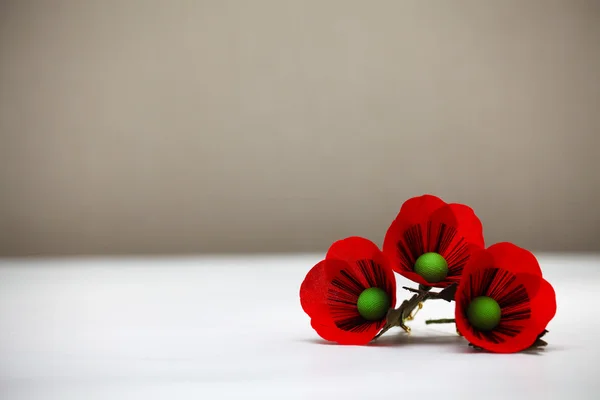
[[233, 328]]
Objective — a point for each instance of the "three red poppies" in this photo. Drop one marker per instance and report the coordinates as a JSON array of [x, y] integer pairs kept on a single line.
[[503, 303]]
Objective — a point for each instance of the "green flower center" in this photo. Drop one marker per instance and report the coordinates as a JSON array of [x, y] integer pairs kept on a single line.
[[484, 313], [373, 304], [432, 267]]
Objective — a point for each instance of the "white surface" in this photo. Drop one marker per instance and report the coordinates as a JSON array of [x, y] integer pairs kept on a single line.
[[232, 328]]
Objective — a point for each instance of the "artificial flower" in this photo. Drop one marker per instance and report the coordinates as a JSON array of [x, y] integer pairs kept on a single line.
[[503, 304], [431, 241], [348, 294]]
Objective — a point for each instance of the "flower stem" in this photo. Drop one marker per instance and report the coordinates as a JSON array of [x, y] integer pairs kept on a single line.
[[397, 317]]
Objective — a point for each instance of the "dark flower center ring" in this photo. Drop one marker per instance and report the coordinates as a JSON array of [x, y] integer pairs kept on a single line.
[[484, 313], [432, 267], [373, 304]]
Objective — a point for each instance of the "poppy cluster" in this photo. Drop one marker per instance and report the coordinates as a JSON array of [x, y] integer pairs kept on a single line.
[[503, 303]]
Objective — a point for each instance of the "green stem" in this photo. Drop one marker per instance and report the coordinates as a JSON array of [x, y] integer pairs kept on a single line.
[[441, 321]]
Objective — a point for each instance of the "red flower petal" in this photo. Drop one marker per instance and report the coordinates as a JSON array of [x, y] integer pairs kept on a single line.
[[514, 258], [313, 289], [527, 331], [413, 276], [544, 304], [521, 264], [522, 341], [464, 219], [332, 333], [324, 323], [358, 264], [480, 258], [418, 209], [327, 332], [543, 300], [414, 211], [354, 249], [453, 230], [465, 235]]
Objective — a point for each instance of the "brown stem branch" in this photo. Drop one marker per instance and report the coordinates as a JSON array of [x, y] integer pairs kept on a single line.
[[397, 317]]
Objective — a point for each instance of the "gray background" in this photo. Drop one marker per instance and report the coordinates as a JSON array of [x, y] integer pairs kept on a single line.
[[269, 125]]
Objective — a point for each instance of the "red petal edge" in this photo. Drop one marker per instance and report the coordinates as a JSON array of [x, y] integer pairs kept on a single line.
[[418, 209], [514, 259], [313, 289]]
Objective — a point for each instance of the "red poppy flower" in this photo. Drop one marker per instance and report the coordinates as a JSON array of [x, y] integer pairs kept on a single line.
[[430, 241], [348, 294], [503, 303]]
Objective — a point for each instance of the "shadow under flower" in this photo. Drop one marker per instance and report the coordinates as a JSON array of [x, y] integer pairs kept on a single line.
[[403, 339], [412, 339], [454, 343], [533, 351]]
